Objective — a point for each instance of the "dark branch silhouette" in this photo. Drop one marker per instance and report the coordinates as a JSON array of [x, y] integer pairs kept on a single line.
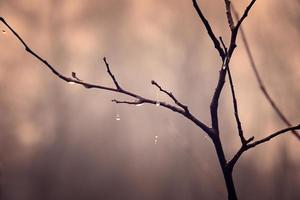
[[259, 80], [246, 147], [209, 30], [213, 132]]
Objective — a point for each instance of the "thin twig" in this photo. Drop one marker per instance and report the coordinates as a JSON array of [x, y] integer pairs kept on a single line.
[[209, 30], [74, 79], [273, 135], [245, 14], [235, 107], [246, 147], [170, 95], [228, 14], [259, 79], [111, 75]]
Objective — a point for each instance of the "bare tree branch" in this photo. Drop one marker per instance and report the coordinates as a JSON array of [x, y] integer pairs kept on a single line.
[[213, 132], [228, 14], [236, 112], [244, 15], [215, 101], [273, 135], [246, 147], [209, 30], [118, 89], [111, 75], [259, 79], [170, 95]]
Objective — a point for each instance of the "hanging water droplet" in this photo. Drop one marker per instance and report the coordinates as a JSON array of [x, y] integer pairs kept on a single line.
[[224, 67], [71, 83], [3, 31], [118, 118], [156, 139], [157, 104], [140, 104]]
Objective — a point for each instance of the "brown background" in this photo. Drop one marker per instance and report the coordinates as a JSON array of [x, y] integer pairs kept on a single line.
[[60, 141]]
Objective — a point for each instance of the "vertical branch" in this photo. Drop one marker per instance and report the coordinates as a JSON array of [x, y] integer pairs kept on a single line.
[[259, 79], [235, 107], [228, 14]]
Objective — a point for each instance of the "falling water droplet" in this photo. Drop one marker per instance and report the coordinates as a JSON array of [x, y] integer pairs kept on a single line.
[[3, 31], [207, 138], [118, 118], [156, 139]]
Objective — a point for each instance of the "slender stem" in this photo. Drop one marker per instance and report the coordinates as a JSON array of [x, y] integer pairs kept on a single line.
[[227, 173], [259, 79]]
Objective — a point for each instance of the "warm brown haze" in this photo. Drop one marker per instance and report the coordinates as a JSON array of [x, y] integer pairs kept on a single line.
[[149, 99]]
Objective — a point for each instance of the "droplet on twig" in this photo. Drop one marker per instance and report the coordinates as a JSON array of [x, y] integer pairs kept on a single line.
[[118, 118], [157, 104], [71, 83], [139, 105]]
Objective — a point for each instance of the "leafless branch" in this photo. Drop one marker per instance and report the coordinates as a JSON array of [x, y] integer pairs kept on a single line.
[[111, 75], [236, 113], [239, 125], [213, 132], [223, 44], [170, 95], [138, 102], [74, 79], [273, 135], [228, 14], [244, 15], [209, 30], [259, 79], [246, 147]]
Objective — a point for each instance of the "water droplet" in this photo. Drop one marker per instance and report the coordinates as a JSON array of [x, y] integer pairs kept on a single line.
[[140, 104], [156, 139], [157, 104], [224, 67], [118, 118], [71, 83], [3, 31], [207, 138]]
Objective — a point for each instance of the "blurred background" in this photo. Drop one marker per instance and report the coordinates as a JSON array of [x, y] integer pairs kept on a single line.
[[61, 141]]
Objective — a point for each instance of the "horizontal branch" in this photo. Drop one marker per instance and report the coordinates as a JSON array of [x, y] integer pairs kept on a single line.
[[248, 146], [139, 99], [273, 135]]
